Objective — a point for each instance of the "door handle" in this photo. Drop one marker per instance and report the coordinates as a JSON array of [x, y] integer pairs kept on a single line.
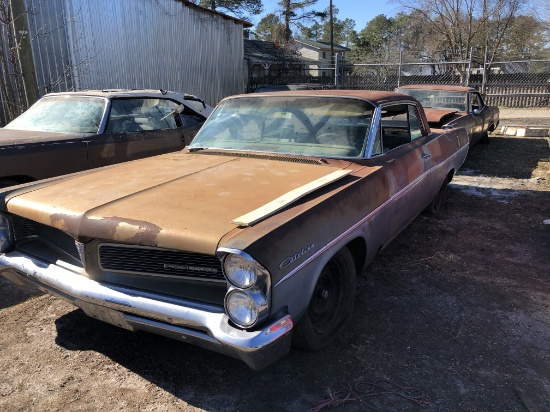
[[425, 156]]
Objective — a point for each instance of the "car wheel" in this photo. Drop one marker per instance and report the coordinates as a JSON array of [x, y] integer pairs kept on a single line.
[[331, 305], [436, 204], [484, 139]]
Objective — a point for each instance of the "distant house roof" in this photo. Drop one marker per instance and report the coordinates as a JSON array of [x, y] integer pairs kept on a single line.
[[245, 23], [321, 45], [259, 50]]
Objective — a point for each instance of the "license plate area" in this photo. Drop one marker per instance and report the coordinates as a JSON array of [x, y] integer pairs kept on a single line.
[[104, 314]]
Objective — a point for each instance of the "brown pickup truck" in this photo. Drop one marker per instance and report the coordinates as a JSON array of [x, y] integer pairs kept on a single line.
[[456, 106], [69, 132]]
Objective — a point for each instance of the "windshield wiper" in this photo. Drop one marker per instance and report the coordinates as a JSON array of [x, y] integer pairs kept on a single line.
[[196, 149]]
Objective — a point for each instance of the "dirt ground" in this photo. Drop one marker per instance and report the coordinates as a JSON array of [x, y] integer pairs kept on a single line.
[[453, 316]]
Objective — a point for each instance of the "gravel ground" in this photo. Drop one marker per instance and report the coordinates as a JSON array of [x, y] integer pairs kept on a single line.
[[453, 316]]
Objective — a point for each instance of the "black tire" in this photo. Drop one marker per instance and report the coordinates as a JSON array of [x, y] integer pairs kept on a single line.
[[331, 306], [484, 139], [436, 205]]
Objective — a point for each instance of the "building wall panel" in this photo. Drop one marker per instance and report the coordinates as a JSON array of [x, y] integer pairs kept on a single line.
[[157, 44]]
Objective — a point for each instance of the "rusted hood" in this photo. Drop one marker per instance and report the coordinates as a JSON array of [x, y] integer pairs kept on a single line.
[[9, 137], [177, 201], [440, 116]]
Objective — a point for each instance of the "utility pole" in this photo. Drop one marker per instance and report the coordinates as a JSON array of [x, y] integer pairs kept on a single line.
[[331, 34], [24, 51]]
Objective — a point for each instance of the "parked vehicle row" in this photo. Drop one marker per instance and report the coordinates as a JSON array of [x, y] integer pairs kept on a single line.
[[250, 238]]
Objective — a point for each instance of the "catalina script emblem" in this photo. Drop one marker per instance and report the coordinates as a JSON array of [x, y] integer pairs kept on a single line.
[[296, 256]]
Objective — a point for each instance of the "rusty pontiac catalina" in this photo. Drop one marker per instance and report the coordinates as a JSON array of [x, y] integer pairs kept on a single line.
[[455, 106], [73, 131], [249, 239]]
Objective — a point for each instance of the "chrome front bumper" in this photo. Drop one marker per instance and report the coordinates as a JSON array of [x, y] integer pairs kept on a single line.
[[201, 325]]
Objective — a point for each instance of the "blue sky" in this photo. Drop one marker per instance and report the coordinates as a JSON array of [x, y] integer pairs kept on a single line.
[[362, 11]]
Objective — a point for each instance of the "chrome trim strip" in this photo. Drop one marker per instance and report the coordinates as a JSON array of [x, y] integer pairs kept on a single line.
[[104, 116], [369, 216], [221, 252], [373, 132]]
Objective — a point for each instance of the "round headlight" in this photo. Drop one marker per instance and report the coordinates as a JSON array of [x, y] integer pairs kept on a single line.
[[241, 308], [242, 272]]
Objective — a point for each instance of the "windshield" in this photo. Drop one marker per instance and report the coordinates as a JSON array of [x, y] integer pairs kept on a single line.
[[438, 99], [315, 126], [64, 114]]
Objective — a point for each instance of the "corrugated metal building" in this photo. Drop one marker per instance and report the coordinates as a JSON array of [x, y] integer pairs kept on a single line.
[[157, 44]]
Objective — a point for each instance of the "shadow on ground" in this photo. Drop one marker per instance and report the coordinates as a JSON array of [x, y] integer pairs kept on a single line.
[[507, 157], [453, 315], [13, 294]]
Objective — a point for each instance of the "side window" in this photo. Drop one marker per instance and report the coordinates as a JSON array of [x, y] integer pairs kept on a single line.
[[136, 115], [190, 118], [414, 123], [399, 125], [476, 101], [394, 125]]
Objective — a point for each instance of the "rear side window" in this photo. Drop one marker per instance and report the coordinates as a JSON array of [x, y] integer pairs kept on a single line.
[[399, 125], [190, 118], [414, 123], [136, 115]]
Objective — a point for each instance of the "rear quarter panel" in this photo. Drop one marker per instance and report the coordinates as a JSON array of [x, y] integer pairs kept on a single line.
[[42, 160]]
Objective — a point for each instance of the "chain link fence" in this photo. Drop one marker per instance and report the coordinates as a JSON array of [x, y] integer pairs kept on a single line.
[[521, 89]]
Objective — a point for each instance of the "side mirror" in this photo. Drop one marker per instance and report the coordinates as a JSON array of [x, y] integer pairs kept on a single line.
[[477, 111]]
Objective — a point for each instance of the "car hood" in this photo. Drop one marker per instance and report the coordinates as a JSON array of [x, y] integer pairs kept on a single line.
[[441, 116], [10, 137], [179, 200]]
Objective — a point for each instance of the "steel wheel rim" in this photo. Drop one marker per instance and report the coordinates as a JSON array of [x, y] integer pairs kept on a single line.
[[326, 301]]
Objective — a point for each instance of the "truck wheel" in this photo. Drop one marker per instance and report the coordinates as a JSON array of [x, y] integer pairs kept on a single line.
[[436, 204], [331, 305], [484, 139]]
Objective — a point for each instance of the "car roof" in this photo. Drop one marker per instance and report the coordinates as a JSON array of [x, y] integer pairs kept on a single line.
[[285, 87], [193, 103], [375, 96], [446, 87], [109, 93]]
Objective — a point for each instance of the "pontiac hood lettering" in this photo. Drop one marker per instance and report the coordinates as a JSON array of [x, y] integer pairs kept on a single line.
[[296, 256], [190, 268]]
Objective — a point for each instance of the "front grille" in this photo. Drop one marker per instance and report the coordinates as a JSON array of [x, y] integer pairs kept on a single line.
[[26, 229], [155, 261]]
